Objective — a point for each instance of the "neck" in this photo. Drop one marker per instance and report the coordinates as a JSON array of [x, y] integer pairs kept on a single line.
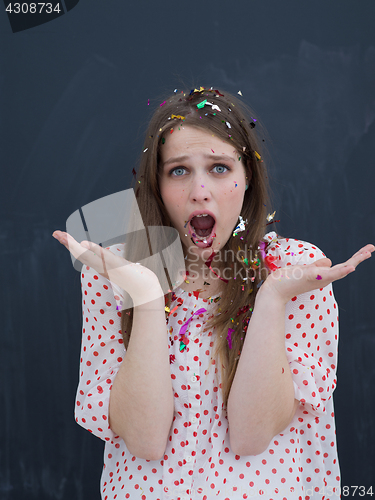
[[202, 277]]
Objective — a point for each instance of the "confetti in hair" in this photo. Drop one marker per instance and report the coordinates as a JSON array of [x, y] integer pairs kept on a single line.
[[240, 227], [201, 104], [229, 337]]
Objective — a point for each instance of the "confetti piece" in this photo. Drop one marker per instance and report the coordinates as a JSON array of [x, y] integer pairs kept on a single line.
[[257, 155], [148, 103], [240, 227], [318, 277], [212, 150], [271, 216], [185, 325], [229, 337], [269, 262], [239, 92], [228, 124], [163, 103], [272, 222], [145, 150], [175, 91], [163, 140], [174, 309], [222, 95], [178, 116], [201, 104]]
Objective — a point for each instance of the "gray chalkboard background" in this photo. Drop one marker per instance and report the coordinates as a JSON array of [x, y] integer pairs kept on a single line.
[[74, 106]]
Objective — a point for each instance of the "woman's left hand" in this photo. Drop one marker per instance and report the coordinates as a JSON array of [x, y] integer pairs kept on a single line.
[[287, 282]]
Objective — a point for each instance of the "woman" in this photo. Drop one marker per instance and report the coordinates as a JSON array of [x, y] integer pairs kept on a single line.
[[176, 424]]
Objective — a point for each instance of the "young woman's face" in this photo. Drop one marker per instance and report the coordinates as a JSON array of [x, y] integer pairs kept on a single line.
[[200, 172]]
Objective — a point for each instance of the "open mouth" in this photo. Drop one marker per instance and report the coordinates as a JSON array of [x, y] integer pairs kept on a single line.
[[203, 235]]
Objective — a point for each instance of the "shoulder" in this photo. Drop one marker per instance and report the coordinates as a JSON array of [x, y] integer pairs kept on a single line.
[[290, 251]]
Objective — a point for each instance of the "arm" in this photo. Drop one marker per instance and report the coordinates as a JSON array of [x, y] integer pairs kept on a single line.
[[141, 403], [261, 402], [103, 366]]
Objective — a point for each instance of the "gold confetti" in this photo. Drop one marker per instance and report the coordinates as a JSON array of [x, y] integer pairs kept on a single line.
[[271, 216], [257, 155]]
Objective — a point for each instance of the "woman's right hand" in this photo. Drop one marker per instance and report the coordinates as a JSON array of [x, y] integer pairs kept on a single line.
[[138, 281]]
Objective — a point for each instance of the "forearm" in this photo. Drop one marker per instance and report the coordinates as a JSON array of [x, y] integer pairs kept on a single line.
[[261, 401], [141, 401]]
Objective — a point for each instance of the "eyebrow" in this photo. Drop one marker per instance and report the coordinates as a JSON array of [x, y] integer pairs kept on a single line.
[[176, 159]]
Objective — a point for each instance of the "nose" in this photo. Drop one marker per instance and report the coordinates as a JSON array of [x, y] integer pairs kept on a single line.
[[200, 189]]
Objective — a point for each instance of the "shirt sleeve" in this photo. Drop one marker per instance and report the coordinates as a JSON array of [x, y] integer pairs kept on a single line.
[[311, 335], [102, 352]]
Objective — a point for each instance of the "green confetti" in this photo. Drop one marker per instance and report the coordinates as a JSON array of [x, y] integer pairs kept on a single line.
[[201, 104]]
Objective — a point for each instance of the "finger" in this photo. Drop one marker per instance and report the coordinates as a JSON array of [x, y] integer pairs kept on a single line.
[[367, 249], [91, 254], [349, 266], [360, 256], [323, 262]]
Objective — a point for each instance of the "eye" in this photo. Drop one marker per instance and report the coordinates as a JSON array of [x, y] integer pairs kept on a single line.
[[176, 168], [222, 166]]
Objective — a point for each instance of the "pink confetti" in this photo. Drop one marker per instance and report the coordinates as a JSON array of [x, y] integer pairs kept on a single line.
[[185, 325], [229, 337], [262, 246], [163, 103], [318, 277]]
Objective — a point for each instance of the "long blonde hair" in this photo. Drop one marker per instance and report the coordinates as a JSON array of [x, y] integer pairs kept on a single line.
[[237, 302]]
